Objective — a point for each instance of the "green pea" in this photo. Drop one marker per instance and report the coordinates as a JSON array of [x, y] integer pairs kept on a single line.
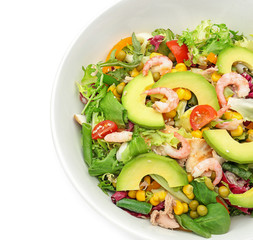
[[193, 205], [156, 76], [209, 184], [223, 191], [121, 55], [140, 67], [202, 210], [194, 214]]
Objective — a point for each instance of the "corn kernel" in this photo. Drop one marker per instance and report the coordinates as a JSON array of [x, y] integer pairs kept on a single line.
[[153, 202], [205, 128], [237, 132], [228, 115], [134, 73], [197, 134], [189, 177], [187, 95], [178, 208], [188, 189], [132, 194], [180, 93], [186, 208], [141, 195], [156, 197], [180, 67], [215, 77], [161, 194], [190, 196], [153, 54], [173, 70], [171, 114], [115, 93], [111, 88], [237, 115]]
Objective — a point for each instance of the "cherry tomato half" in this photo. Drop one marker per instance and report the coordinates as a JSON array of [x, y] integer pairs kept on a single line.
[[202, 115], [103, 128], [180, 52]]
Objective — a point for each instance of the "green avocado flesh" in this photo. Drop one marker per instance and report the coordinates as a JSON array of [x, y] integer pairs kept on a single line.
[[242, 200], [234, 54], [228, 148], [150, 163], [133, 100], [204, 91]]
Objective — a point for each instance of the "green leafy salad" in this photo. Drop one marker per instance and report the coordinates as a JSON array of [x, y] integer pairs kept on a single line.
[[167, 126]]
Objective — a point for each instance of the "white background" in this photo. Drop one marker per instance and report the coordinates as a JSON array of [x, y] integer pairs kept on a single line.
[[37, 200]]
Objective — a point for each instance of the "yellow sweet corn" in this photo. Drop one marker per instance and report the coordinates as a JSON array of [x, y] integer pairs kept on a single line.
[[186, 208], [181, 67], [237, 132], [132, 194], [180, 93], [171, 114], [187, 95], [197, 134], [250, 136], [153, 54], [237, 115], [111, 88], [141, 195], [189, 177], [153, 202], [134, 73], [205, 128], [173, 70], [215, 77], [178, 208]]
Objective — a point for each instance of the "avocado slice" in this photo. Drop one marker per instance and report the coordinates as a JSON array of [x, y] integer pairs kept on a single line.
[[196, 83], [230, 55], [150, 163], [133, 101], [227, 147], [242, 200]]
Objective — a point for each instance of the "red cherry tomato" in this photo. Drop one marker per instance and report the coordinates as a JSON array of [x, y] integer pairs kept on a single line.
[[180, 52], [103, 128], [202, 115]]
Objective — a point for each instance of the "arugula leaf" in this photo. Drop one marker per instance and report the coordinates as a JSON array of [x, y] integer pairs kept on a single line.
[[113, 110], [137, 57], [107, 165], [92, 108], [217, 220], [202, 193], [105, 184]]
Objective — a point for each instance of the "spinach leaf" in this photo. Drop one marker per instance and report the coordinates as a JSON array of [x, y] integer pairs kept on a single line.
[[217, 220], [202, 193], [113, 110], [135, 147], [107, 165], [188, 223]]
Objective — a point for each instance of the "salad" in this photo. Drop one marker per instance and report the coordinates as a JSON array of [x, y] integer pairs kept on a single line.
[[167, 126]]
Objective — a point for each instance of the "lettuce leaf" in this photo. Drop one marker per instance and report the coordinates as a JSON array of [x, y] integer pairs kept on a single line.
[[207, 37], [242, 106], [245, 43]]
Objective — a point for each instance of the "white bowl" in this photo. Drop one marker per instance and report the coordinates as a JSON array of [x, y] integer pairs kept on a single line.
[[91, 46]]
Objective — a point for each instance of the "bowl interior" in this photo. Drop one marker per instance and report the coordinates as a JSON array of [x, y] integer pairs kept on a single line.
[[91, 46]]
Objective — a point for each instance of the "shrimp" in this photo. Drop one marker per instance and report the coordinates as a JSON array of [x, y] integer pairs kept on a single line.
[[170, 104], [232, 79], [231, 125], [123, 136], [164, 63], [181, 153], [206, 165]]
